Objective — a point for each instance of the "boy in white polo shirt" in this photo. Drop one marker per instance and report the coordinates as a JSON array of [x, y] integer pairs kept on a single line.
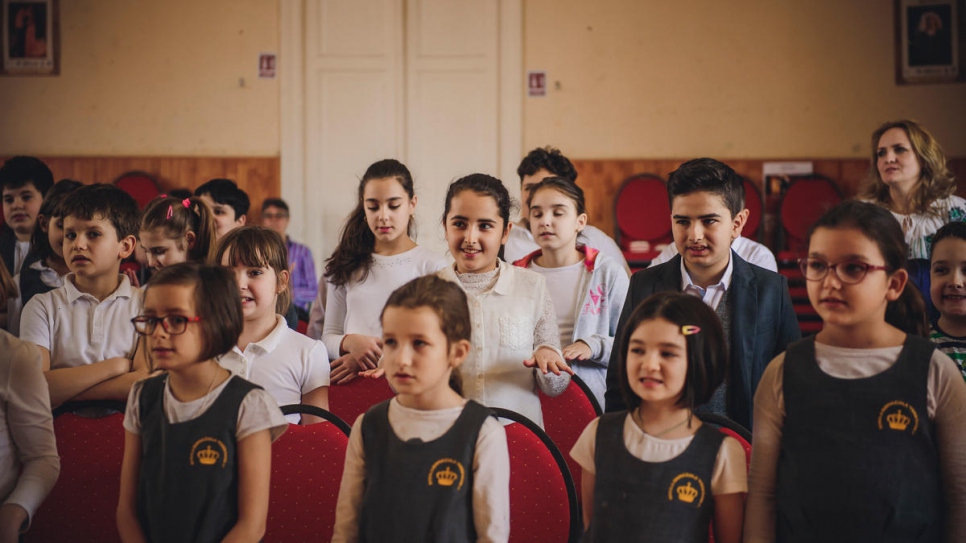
[[84, 328]]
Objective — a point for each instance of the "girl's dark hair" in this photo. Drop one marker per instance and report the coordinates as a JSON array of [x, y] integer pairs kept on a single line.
[[907, 312], [216, 301], [707, 355], [483, 185], [447, 300], [561, 185], [176, 217], [40, 248], [353, 254], [258, 247]]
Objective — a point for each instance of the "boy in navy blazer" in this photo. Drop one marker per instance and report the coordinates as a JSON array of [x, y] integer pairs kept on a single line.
[[708, 212]]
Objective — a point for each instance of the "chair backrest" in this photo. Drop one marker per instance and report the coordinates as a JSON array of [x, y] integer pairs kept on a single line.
[[82, 506], [565, 417], [354, 398], [806, 199], [307, 466], [753, 203], [543, 499], [141, 185], [641, 211], [730, 428]]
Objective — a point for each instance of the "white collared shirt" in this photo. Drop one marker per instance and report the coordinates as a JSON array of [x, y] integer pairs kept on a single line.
[[285, 363], [714, 293], [79, 329]]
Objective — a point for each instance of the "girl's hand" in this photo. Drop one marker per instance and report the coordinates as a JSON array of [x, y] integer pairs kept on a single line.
[[548, 361], [367, 350], [377, 373], [577, 351], [132, 276], [343, 369]]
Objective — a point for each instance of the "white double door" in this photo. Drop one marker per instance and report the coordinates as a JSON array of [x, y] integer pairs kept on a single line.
[[436, 84]]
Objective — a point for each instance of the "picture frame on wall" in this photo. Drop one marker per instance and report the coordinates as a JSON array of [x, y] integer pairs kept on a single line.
[[31, 37], [930, 42]]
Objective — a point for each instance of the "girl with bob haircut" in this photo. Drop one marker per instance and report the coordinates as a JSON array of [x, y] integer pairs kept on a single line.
[[427, 429], [197, 449], [655, 469], [177, 230], [377, 253], [293, 368], [909, 177], [849, 412]]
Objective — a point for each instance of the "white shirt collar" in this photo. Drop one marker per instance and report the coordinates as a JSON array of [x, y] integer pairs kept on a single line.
[[722, 285]]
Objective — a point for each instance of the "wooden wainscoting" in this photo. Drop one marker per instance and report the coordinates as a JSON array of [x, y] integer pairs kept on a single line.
[[257, 176], [601, 178]]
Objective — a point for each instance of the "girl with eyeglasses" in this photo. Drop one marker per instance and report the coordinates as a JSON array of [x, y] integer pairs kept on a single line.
[[859, 431], [197, 449]]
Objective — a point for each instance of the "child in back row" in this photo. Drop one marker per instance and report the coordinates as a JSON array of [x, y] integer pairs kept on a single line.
[[293, 368], [177, 230], [426, 465], [587, 287], [376, 254], [877, 455], [24, 181], [515, 345], [83, 328], [655, 472], [45, 268], [228, 203], [948, 291], [197, 446]]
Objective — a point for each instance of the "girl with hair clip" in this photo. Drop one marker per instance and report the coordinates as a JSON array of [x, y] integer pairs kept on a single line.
[[516, 345], [588, 288], [655, 472], [428, 429], [293, 368], [376, 254], [877, 455], [45, 268], [29, 464], [909, 177], [198, 441], [177, 230]]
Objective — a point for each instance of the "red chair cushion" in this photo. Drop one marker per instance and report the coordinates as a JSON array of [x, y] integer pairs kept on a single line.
[[139, 185], [83, 504], [642, 211], [353, 399], [538, 494], [802, 205], [564, 419]]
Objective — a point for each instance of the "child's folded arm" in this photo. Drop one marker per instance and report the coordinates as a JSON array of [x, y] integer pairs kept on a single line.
[[66, 384]]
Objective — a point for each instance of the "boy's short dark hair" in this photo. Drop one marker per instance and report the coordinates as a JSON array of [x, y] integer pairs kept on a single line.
[[107, 201], [226, 192], [708, 175], [550, 159], [955, 230], [20, 170], [275, 202]]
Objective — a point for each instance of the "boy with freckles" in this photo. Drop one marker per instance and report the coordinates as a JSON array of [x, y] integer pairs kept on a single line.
[[708, 212], [84, 331]]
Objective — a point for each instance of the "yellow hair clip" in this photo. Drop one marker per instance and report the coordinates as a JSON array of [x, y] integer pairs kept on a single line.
[[689, 329]]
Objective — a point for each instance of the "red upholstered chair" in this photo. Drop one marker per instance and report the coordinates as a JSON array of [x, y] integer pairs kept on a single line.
[[543, 500], [730, 428], [82, 506], [306, 475], [350, 400], [806, 199], [642, 214], [753, 202], [141, 185], [566, 416]]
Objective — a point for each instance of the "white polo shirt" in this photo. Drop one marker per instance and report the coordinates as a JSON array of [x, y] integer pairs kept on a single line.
[[78, 329], [286, 364]]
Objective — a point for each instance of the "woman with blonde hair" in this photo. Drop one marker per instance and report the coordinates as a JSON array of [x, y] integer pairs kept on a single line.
[[909, 177]]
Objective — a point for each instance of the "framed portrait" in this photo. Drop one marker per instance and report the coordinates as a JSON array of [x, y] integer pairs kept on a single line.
[[930, 45], [31, 37]]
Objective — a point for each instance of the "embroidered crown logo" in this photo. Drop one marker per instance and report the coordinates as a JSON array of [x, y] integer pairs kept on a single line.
[[208, 457], [898, 421], [446, 477], [687, 493]]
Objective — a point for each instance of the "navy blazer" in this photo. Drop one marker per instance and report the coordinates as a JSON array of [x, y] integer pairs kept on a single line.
[[763, 323]]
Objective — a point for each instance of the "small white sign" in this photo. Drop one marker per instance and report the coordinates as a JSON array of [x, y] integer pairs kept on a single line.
[[536, 83], [786, 168], [267, 65]]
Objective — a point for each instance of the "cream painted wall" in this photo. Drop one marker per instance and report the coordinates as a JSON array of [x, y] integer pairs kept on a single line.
[[143, 77], [744, 78]]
